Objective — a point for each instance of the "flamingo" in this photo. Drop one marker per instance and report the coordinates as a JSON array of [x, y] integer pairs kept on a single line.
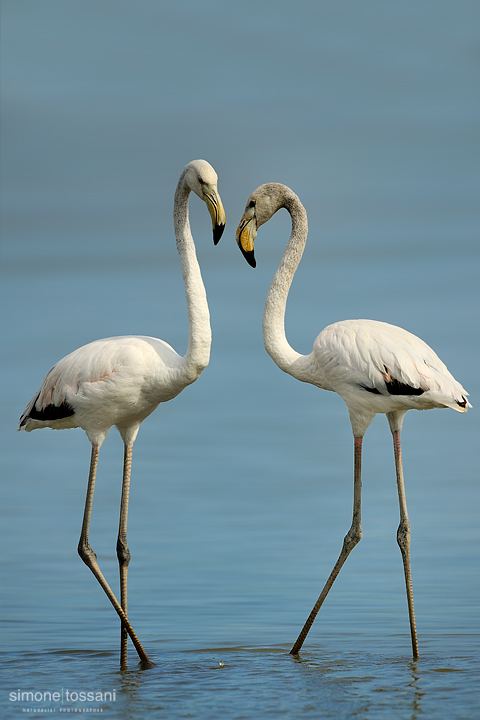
[[121, 380], [375, 367]]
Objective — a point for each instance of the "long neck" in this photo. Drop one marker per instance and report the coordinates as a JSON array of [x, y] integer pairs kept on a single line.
[[199, 332], [276, 343]]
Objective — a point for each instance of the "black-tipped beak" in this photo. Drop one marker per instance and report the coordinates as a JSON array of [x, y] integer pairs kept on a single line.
[[245, 235], [217, 213], [217, 233], [249, 256]]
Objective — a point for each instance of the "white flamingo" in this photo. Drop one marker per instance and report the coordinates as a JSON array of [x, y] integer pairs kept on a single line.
[[121, 380], [375, 367]]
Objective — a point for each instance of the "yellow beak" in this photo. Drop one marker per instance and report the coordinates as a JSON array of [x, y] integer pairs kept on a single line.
[[246, 234], [217, 213]]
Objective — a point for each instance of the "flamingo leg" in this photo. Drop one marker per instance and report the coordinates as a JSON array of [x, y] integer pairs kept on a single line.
[[90, 559], [123, 552], [403, 537], [351, 539]]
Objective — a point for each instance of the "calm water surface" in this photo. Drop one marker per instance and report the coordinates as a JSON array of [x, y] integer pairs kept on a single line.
[[239, 682], [242, 487]]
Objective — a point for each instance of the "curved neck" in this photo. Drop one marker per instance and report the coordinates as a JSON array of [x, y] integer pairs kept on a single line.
[[199, 332], [276, 343]]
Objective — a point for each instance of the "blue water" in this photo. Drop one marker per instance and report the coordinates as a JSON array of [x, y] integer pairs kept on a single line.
[[242, 487]]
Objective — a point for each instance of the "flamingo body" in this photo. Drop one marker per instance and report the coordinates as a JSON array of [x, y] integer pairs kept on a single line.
[[115, 381], [375, 367], [121, 380], [380, 368]]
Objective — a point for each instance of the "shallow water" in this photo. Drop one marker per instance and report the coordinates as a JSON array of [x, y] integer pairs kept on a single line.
[[242, 487], [239, 682]]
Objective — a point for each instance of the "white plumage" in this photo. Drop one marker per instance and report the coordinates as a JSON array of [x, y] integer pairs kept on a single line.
[[115, 381], [380, 368], [121, 380], [375, 367]]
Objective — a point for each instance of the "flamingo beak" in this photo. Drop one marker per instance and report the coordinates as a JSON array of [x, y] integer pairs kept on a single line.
[[246, 234], [217, 213]]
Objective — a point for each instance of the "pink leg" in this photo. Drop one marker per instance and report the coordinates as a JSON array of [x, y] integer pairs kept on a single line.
[[123, 553], [403, 538], [90, 559], [351, 539]]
